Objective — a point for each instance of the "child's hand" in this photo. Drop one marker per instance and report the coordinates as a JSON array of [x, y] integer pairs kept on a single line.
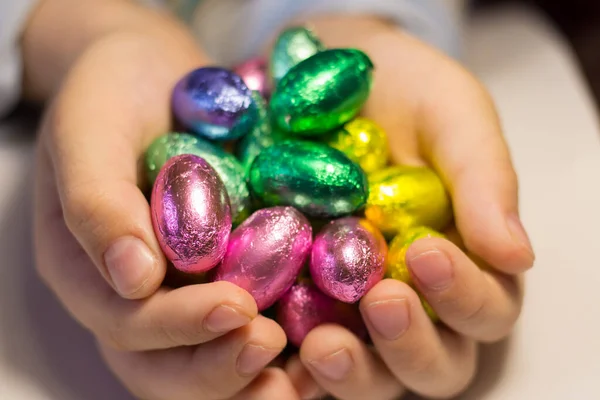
[[95, 245], [434, 113]]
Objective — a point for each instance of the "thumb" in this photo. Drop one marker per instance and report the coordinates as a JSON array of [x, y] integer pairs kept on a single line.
[[110, 108]]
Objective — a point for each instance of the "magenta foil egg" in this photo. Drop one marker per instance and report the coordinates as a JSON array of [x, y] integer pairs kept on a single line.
[[304, 307], [348, 258], [266, 252], [191, 214], [254, 74]]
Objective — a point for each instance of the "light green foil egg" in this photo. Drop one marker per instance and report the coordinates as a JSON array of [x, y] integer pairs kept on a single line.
[[259, 138], [322, 92], [293, 45], [229, 169], [318, 180]]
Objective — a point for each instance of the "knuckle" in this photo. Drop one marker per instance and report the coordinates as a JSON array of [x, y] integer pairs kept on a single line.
[[81, 208], [474, 313], [423, 363]]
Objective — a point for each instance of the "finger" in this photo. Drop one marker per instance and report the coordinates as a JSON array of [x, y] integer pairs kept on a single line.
[[430, 362], [304, 383], [169, 318], [464, 141], [215, 370], [343, 366], [476, 303], [271, 384], [96, 161]]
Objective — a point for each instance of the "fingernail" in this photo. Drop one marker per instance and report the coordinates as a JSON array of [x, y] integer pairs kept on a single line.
[[432, 269], [254, 358], [129, 263], [224, 319], [335, 366], [518, 233], [390, 318]]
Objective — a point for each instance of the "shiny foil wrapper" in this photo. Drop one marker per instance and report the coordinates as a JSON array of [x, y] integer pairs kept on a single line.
[[214, 103], [191, 214], [348, 258], [322, 92], [401, 197], [292, 46], [266, 253], [396, 266], [316, 179], [304, 307], [261, 137], [364, 142], [228, 168], [254, 74]]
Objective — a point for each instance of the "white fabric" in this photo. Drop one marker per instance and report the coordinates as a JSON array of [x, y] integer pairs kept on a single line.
[[12, 16], [552, 128]]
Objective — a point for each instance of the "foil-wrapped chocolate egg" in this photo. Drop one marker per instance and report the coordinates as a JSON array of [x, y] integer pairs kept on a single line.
[[304, 307], [228, 168], [214, 103], [348, 258], [318, 180], [254, 74], [259, 138], [396, 266], [401, 197], [322, 92], [266, 252], [293, 45], [191, 213], [364, 142]]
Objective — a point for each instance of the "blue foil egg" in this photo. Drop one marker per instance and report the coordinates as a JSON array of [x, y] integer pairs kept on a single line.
[[214, 103]]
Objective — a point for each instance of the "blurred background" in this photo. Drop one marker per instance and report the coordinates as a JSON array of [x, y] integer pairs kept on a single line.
[[579, 22]]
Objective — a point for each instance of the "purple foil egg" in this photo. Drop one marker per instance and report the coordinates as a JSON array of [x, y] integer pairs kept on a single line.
[[304, 307], [254, 74], [191, 213], [214, 103], [348, 258], [266, 252]]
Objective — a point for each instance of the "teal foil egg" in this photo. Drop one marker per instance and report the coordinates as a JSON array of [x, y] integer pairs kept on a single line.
[[226, 165], [316, 179], [259, 138], [322, 92], [293, 45]]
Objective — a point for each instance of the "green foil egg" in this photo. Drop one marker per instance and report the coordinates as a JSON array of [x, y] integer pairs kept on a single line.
[[229, 169], [318, 180], [322, 92], [293, 45], [259, 138]]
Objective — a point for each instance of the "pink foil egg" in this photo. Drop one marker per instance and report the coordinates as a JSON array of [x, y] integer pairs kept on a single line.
[[304, 307], [254, 75], [191, 213], [348, 258], [266, 252]]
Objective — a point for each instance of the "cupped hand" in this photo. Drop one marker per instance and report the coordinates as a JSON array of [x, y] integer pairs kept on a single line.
[[95, 245], [437, 114]]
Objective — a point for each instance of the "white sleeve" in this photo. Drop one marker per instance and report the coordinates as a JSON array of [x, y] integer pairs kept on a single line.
[[13, 14], [233, 30]]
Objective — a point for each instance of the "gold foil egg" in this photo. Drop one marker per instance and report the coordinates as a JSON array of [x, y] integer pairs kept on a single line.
[[396, 267], [401, 197], [364, 142]]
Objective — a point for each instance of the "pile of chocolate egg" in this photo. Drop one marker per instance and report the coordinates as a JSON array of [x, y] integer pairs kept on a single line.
[[275, 183]]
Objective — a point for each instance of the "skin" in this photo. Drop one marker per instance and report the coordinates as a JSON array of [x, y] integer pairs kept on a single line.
[[93, 62]]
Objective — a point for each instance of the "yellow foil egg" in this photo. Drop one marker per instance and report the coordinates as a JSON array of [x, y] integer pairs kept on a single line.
[[401, 197], [364, 142], [396, 267]]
